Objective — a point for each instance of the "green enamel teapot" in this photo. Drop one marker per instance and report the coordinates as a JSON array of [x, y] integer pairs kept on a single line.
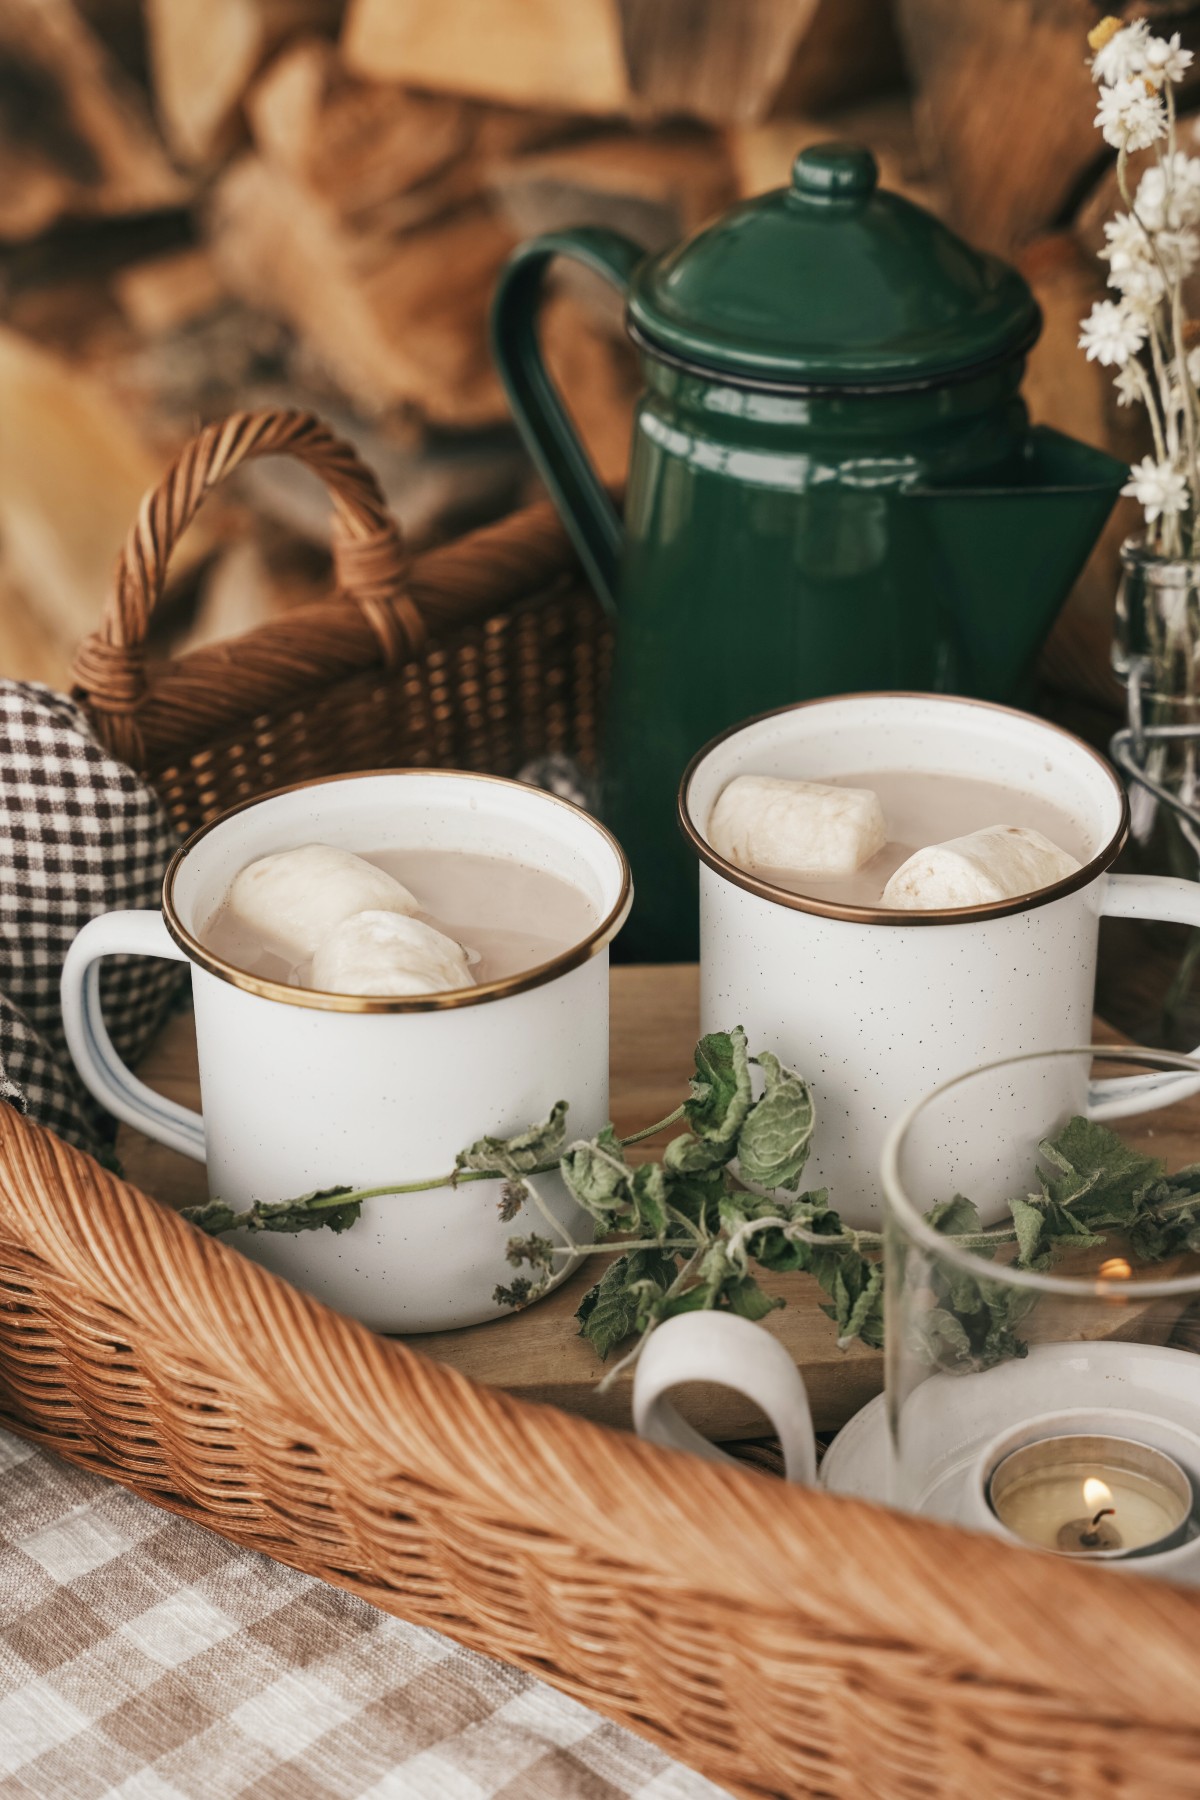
[[833, 482]]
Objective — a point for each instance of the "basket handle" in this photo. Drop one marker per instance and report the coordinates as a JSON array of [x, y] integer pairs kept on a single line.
[[370, 560]]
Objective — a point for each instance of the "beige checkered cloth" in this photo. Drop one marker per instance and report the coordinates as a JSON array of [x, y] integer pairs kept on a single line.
[[143, 1658]]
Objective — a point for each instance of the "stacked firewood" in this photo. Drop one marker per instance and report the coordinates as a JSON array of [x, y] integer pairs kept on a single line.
[[307, 202]]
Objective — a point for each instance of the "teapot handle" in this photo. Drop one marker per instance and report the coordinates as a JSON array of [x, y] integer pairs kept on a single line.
[[551, 438]]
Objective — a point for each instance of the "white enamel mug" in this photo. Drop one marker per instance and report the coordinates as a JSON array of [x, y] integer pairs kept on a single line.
[[305, 1090], [874, 1006]]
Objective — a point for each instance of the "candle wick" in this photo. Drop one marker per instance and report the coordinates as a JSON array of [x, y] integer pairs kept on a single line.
[[1104, 1513]]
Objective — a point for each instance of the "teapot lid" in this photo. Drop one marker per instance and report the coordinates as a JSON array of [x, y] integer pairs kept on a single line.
[[830, 283]]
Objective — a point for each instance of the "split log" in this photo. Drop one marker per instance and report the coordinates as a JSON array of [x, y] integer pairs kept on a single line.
[[378, 157], [655, 186], [714, 61], [72, 472], [252, 580], [164, 292], [355, 144], [382, 158], [706, 59], [204, 57], [30, 648], [76, 140], [1006, 102], [849, 51], [761, 156], [549, 53], [398, 322], [434, 488]]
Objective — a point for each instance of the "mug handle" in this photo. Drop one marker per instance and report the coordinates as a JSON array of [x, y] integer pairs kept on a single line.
[[1175, 901], [733, 1352], [100, 1068]]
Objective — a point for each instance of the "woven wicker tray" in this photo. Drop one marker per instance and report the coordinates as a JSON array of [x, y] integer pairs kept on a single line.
[[784, 1641]]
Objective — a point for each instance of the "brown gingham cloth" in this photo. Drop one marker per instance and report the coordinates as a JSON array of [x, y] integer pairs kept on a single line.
[[80, 835], [144, 1658]]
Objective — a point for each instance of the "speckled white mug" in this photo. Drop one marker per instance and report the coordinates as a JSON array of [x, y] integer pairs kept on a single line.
[[304, 1090], [875, 1007]]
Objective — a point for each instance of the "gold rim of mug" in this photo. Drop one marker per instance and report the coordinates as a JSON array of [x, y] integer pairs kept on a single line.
[[897, 916], [316, 1000]]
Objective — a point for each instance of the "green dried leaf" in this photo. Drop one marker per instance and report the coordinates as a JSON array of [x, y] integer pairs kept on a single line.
[[748, 1300], [214, 1218], [598, 1176], [954, 1218], [940, 1339], [689, 1155], [698, 1197], [518, 1294], [1028, 1221], [856, 1292], [721, 1090], [1104, 1177], [651, 1191], [538, 1252], [774, 1139], [522, 1154], [609, 1312], [311, 1212]]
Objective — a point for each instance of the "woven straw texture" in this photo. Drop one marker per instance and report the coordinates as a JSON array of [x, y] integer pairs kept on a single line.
[[784, 1642], [479, 655]]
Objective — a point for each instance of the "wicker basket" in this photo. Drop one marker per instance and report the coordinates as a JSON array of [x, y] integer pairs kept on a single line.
[[783, 1641], [478, 656]]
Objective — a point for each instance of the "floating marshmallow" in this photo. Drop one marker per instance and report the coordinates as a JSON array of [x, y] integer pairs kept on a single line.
[[388, 953], [998, 863], [764, 822], [294, 899]]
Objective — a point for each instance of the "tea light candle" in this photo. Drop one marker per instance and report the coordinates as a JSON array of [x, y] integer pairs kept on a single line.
[[1102, 1497]]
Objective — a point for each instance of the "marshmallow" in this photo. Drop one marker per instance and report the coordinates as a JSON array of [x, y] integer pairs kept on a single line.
[[387, 953], [763, 822], [997, 863], [294, 899]]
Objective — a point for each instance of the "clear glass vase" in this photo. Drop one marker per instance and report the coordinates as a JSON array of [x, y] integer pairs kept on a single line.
[[1156, 653], [1040, 1376]]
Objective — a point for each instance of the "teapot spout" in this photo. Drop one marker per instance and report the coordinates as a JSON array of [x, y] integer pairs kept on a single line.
[[1005, 557]]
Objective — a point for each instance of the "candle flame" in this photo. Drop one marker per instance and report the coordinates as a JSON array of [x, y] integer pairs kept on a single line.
[[1115, 1269], [1096, 1494]]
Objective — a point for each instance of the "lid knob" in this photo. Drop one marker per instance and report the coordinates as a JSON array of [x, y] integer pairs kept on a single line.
[[835, 172]]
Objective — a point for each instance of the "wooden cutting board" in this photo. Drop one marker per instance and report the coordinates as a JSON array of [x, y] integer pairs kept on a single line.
[[538, 1354]]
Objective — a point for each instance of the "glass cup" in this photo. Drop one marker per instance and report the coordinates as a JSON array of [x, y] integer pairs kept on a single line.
[[1043, 1306]]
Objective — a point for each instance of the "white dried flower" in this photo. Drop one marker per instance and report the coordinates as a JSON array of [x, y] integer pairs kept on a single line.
[[1112, 333], [1158, 487], [1177, 252], [1165, 59], [1193, 365], [1141, 286], [1124, 239], [1133, 267], [1130, 116], [1160, 210], [1128, 384], [1123, 54]]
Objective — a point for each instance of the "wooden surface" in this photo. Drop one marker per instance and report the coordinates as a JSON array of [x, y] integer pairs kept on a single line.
[[538, 1354]]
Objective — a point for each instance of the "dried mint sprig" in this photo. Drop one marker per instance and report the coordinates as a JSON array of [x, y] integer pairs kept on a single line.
[[692, 1236]]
